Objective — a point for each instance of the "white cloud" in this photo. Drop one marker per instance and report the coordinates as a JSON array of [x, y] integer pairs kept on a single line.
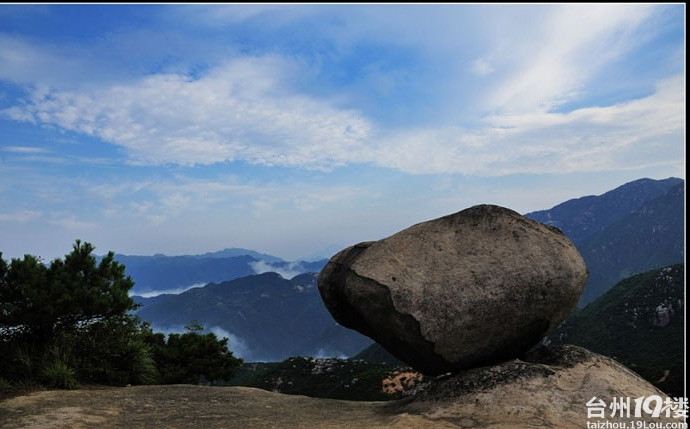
[[70, 222], [23, 149], [221, 15], [174, 291], [289, 271], [657, 114], [25, 62], [22, 216], [181, 194], [236, 344], [329, 354], [555, 61], [177, 120], [307, 200], [240, 110], [644, 132], [248, 108]]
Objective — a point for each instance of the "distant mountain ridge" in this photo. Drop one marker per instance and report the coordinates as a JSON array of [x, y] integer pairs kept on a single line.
[[232, 252], [633, 228], [168, 273], [155, 273], [268, 317], [580, 218], [651, 236]]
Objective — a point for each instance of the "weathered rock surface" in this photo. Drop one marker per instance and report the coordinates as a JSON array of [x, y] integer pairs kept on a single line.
[[197, 407], [476, 287], [550, 391]]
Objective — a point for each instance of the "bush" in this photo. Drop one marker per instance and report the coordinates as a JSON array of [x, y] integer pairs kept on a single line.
[[59, 375], [193, 356], [114, 352]]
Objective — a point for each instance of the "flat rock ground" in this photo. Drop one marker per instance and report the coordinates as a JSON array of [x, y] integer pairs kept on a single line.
[[198, 407], [550, 390]]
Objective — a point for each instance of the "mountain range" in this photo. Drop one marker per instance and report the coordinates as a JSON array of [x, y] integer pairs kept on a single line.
[[266, 317], [633, 228], [232, 252], [636, 227], [161, 273]]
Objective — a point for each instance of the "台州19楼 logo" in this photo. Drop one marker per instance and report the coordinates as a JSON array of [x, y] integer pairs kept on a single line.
[[651, 407]]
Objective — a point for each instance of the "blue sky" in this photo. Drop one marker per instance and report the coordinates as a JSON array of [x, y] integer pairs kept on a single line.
[[296, 129]]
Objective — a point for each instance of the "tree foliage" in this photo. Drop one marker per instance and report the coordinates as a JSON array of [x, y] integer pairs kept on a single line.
[[71, 320], [44, 302], [193, 356]]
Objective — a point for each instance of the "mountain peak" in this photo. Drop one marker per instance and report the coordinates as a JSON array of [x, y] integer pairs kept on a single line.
[[645, 185], [581, 218], [231, 252]]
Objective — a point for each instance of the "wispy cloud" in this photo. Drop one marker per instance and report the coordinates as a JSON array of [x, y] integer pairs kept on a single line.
[[573, 43], [236, 344], [256, 108], [222, 15], [23, 149], [174, 291], [28, 63], [289, 271], [160, 199], [238, 111], [211, 123], [22, 216], [69, 221], [583, 140]]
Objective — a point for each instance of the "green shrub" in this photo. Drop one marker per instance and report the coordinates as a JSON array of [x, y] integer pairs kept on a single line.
[[193, 356], [143, 367], [115, 352], [59, 375]]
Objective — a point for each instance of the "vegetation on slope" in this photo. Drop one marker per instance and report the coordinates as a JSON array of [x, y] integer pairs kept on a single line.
[[357, 380], [639, 322]]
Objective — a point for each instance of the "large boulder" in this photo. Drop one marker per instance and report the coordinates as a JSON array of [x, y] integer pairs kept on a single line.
[[476, 287]]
